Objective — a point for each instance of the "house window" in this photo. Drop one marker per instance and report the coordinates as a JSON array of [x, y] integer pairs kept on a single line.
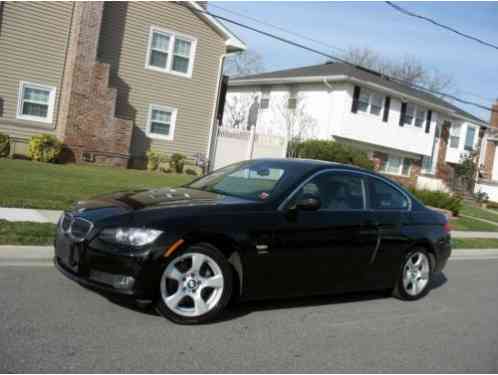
[[469, 138], [420, 117], [265, 99], [161, 122], [454, 136], [410, 114], [396, 165], [371, 102], [170, 52], [35, 102], [292, 102]]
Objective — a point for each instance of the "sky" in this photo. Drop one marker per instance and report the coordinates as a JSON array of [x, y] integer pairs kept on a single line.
[[375, 25]]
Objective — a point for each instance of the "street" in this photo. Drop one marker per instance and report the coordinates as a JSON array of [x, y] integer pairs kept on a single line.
[[51, 324]]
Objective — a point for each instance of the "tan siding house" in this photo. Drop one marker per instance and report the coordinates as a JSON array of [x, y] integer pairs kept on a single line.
[[114, 79], [33, 42]]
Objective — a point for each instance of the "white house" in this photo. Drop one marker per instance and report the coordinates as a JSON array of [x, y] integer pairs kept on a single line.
[[411, 135]]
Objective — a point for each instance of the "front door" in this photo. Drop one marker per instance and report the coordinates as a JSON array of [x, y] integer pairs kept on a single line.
[[324, 250]]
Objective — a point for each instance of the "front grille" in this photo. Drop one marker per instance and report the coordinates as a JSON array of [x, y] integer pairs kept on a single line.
[[76, 227]]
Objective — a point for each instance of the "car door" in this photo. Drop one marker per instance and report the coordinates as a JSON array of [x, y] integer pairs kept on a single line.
[[323, 250], [391, 208]]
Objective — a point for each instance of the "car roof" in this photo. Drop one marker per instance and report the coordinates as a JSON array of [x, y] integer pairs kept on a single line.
[[312, 164]]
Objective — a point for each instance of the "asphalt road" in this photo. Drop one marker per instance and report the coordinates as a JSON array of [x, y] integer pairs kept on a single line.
[[51, 324]]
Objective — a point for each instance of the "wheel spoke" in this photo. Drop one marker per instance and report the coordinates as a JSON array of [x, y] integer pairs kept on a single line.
[[215, 282], [200, 305], [197, 261], [414, 286], [418, 261], [175, 299], [174, 274], [424, 275]]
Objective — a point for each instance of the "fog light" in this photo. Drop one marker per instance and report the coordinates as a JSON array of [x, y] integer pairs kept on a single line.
[[123, 282], [117, 281]]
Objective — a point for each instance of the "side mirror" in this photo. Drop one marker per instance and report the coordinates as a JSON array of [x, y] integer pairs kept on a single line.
[[308, 203]]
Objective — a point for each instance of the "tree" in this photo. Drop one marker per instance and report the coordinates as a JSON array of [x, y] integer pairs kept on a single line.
[[408, 69], [243, 63], [237, 109]]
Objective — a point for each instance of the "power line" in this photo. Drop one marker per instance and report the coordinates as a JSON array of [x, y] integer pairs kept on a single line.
[[434, 22], [335, 58], [265, 23]]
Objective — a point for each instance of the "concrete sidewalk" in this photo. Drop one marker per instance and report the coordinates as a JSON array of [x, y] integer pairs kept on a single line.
[[472, 234], [28, 214], [26, 255]]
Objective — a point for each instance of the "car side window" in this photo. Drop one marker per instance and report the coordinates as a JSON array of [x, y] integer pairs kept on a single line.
[[336, 191], [385, 197]]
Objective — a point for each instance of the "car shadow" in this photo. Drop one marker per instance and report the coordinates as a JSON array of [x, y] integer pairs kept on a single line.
[[239, 309]]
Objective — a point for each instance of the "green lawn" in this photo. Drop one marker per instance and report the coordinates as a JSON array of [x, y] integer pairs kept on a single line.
[[475, 243], [25, 233], [470, 210], [41, 185], [464, 223]]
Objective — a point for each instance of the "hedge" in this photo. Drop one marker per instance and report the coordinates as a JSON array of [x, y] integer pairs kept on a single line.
[[439, 199]]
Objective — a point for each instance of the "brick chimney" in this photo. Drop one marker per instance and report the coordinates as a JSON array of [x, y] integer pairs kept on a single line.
[[494, 116], [86, 122]]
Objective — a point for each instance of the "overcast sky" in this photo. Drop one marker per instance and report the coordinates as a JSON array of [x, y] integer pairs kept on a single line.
[[474, 67]]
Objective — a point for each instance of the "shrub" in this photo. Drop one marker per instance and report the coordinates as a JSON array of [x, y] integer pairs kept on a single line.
[[45, 148], [4, 145], [440, 199], [191, 172], [154, 158], [177, 162], [332, 151]]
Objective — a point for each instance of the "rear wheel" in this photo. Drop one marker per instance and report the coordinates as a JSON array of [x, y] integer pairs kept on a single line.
[[195, 286], [415, 276]]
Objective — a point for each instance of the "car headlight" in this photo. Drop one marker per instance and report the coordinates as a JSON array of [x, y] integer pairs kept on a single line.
[[130, 236]]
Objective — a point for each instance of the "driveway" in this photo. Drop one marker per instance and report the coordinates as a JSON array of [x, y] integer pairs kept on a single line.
[[52, 324]]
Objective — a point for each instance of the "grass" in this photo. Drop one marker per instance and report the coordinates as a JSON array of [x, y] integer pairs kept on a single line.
[[26, 233], [51, 186], [467, 224], [475, 243], [471, 210]]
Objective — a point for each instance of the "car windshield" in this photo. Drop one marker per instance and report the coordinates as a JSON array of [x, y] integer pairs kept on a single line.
[[253, 180]]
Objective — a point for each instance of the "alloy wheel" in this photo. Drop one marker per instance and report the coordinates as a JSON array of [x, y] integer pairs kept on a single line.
[[192, 284], [416, 273]]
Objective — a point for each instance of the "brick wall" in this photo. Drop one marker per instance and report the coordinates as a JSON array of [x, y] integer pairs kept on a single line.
[[489, 155], [87, 124]]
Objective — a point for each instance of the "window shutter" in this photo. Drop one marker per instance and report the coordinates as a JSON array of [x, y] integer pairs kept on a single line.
[[428, 121], [387, 106], [403, 114], [356, 97]]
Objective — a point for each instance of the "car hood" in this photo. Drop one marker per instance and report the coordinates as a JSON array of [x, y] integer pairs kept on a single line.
[[121, 203]]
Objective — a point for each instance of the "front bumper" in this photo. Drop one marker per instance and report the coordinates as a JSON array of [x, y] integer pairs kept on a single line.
[[132, 275]]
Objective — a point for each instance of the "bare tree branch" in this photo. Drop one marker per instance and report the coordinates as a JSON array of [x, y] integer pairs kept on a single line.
[[243, 63]]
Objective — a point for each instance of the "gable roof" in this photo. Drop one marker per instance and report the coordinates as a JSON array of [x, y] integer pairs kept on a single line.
[[347, 72], [232, 41]]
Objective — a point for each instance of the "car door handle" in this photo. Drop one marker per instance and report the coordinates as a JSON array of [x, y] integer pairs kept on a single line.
[[371, 223]]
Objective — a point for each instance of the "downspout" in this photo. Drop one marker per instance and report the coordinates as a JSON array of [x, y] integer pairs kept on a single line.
[[212, 138]]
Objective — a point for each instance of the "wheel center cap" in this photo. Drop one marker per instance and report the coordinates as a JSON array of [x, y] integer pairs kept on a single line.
[[191, 284]]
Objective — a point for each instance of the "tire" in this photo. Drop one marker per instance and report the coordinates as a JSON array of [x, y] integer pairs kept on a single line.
[[415, 277], [195, 286]]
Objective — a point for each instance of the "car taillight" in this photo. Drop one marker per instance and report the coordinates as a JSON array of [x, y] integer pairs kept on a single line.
[[446, 228]]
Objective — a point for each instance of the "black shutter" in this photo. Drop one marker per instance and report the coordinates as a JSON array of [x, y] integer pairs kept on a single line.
[[403, 114], [356, 98], [428, 121], [387, 106]]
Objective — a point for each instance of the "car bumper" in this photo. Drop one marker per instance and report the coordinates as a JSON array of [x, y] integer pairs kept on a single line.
[[134, 276], [443, 254]]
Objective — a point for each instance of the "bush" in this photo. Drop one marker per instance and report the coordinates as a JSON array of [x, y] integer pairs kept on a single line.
[[45, 148], [191, 172], [154, 158], [177, 162], [4, 145], [440, 199], [332, 151]]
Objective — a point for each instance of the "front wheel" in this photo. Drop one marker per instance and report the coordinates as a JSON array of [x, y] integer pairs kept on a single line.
[[415, 276], [195, 286]]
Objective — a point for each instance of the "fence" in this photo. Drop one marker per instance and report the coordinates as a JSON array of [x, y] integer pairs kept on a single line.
[[233, 145]]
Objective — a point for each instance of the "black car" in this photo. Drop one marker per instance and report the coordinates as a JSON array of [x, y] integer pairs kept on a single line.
[[256, 229]]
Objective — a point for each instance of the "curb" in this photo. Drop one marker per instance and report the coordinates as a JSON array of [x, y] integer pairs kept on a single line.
[[31, 215]]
